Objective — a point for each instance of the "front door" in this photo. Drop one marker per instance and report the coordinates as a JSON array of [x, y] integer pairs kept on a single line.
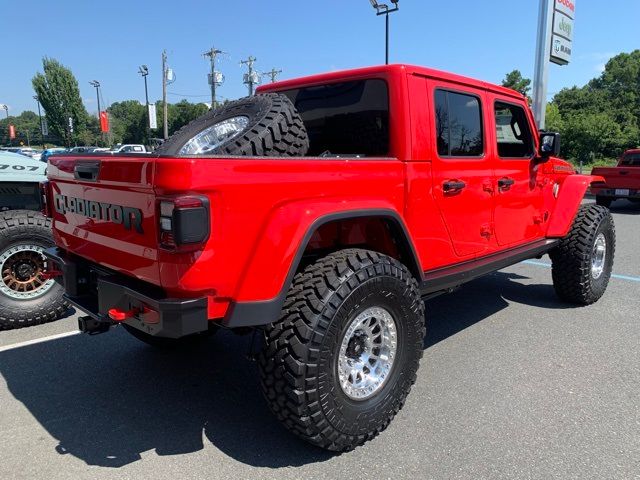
[[462, 171], [519, 199]]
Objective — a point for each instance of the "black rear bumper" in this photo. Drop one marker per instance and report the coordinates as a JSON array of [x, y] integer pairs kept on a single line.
[[95, 290]]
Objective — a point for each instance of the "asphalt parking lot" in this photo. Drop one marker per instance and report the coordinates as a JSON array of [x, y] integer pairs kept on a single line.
[[513, 384]]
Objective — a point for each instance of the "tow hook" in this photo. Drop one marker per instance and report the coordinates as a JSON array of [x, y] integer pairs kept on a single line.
[[93, 326]]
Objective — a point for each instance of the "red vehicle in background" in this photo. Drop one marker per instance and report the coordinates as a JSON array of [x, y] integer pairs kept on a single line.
[[321, 213], [621, 181]]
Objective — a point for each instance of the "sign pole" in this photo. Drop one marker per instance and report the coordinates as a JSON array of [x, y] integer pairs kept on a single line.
[[543, 51]]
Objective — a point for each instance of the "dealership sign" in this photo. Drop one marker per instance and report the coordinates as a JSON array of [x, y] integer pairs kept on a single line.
[[562, 31]]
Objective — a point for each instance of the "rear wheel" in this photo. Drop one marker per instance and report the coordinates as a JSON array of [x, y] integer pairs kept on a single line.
[[27, 297], [340, 363], [604, 201], [583, 261]]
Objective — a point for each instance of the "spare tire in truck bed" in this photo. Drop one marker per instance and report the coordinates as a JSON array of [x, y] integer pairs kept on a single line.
[[262, 125]]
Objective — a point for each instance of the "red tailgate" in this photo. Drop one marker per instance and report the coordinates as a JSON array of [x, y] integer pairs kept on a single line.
[[104, 209]]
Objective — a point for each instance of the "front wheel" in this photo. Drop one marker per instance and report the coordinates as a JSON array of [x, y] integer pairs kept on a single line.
[[340, 363], [27, 297], [583, 261]]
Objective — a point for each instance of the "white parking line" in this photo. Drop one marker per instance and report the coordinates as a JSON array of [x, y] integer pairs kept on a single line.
[[38, 340]]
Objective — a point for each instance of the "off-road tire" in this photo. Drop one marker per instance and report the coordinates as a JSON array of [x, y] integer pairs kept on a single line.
[[572, 258], [274, 129], [164, 343], [604, 201], [26, 227], [298, 365]]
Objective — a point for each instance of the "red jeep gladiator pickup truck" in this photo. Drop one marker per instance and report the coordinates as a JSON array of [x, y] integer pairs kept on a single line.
[[323, 211], [621, 181]]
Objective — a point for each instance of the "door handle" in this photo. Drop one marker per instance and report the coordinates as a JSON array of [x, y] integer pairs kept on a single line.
[[453, 186], [86, 171], [505, 183], [624, 172]]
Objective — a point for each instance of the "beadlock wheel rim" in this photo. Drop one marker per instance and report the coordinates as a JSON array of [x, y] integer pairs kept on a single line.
[[367, 353], [599, 256], [22, 269]]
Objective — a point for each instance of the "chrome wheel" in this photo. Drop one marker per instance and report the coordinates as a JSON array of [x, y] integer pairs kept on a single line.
[[367, 353], [599, 256], [22, 268]]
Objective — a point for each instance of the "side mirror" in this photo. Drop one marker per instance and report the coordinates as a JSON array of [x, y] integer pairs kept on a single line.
[[549, 144]]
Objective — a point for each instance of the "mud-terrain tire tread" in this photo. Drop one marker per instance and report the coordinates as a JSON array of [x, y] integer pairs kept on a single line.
[[47, 308], [289, 361], [275, 129], [571, 259]]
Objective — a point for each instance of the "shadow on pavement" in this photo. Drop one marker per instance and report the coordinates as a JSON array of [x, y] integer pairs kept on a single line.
[[625, 207], [477, 300], [109, 398]]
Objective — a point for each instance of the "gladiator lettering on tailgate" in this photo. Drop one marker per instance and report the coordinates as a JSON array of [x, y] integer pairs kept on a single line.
[[126, 216]]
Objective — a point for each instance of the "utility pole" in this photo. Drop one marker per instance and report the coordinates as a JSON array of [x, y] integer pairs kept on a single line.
[[252, 78], [215, 78], [165, 126], [273, 74], [35, 97]]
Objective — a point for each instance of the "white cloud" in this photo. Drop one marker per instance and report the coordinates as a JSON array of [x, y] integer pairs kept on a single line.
[[600, 67]]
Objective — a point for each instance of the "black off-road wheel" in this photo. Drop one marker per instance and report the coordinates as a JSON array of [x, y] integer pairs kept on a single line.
[[583, 261], [604, 201], [340, 363], [164, 343], [262, 125], [27, 297]]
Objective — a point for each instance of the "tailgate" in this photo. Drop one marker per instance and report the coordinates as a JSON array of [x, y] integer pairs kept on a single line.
[[104, 210], [620, 177]]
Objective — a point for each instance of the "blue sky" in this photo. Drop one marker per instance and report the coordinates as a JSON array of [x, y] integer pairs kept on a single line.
[[108, 40]]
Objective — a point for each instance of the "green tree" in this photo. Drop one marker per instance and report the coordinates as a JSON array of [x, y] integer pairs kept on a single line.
[[59, 95], [128, 121], [601, 119], [515, 81]]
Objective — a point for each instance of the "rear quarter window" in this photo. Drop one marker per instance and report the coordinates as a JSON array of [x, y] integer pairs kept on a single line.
[[349, 118]]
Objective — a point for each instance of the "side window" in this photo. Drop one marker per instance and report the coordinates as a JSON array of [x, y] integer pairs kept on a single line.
[[512, 131], [458, 124]]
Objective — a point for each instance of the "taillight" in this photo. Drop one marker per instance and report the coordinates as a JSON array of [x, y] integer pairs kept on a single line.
[[183, 222], [47, 209]]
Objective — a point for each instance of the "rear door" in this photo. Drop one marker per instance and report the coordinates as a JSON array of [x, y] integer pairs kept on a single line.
[[461, 166], [104, 210], [518, 212]]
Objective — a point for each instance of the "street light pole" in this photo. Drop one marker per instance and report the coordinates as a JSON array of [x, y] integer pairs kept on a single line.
[[96, 84], [144, 71], [35, 97], [384, 9]]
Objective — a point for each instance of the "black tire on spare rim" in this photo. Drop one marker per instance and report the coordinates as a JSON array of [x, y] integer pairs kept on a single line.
[[341, 361], [262, 125], [26, 298]]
